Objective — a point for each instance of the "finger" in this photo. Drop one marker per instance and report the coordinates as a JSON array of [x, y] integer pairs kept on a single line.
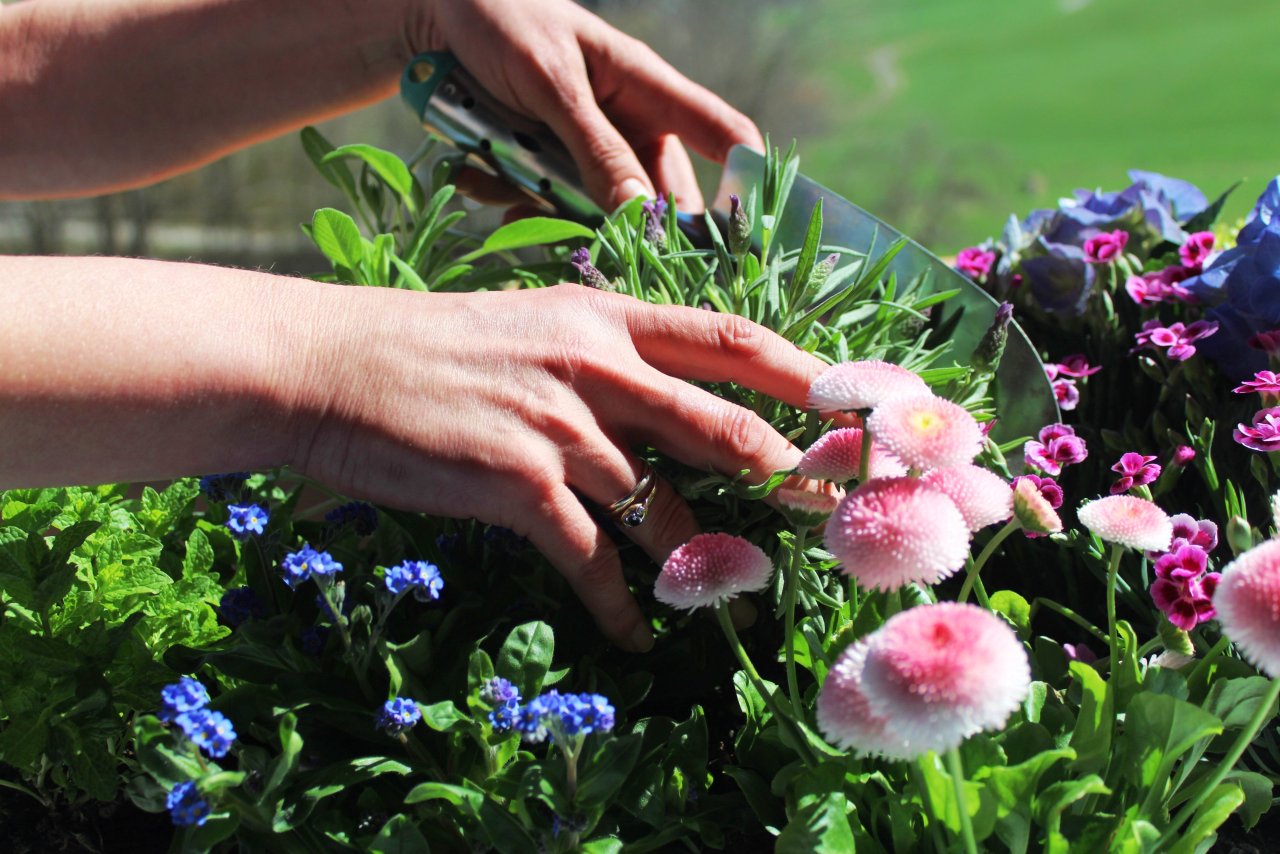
[[568, 537], [611, 172], [668, 163], [641, 90]]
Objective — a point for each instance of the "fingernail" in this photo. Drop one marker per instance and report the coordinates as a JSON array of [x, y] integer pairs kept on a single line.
[[641, 638], [629, 189]]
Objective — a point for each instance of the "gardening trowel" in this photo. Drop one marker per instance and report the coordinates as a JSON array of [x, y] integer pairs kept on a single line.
[[524, 152]]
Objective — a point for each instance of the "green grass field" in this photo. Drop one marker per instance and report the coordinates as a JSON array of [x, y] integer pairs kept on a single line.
[[945, 117]]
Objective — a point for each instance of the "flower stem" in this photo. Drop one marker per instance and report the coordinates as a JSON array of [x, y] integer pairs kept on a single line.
[[1260, 717], [976, 566], [340, 622], [957, 780], [789, 642], [1113, 570], [779, 711], [939, 844], [864, 459], [1070, 615], [1214, 653]]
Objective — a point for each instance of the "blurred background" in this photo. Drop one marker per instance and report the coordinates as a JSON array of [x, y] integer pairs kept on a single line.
[[941, 117]]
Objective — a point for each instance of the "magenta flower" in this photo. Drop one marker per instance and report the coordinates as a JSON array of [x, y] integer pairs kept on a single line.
[[1177, 337], [1058, 446], [1268, 342], [1066, 393], [1183, 563], [1182, 589], [1263, 434], [711, 569], [1160, 286], [940, 673], [1182, 456], [982, 497], [1199, 246], [1189, 531], [1076, 365], [1265, 383], [862, 385], [890, 532], [926, 432], [1134, 470], [1248, 603], [1127, 520], [975, 262], [1106, 247]]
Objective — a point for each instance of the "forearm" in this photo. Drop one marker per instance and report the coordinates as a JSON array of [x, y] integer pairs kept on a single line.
[[100, 95], [123, 370]]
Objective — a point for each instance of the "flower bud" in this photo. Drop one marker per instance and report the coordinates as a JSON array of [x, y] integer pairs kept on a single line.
[[987, 355], [805, 509], [1182, 456], [1033, 510], [587, 274], [739, 227], [1239, 534], [822, 270], [654, 232]]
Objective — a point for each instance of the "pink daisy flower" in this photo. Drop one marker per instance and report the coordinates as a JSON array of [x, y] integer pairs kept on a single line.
[[1033, 504], [892, 531], [711, 569], [1248, 603], [926, 432], [1129, 521], [837, 454], [1263, 434], [802, 507], [940, 673], [842, 711], [862, 385], [983, 497]]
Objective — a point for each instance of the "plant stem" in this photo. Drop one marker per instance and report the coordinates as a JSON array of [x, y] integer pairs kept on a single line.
[[1214, 652], [1070, 615], [1260, 717], [1113, 570], [976, 566], [789, 642], [939, 844], [341, 623], [956, 769], [864, 459], [779, 711]]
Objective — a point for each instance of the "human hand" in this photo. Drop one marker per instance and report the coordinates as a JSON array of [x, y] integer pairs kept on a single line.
[[514, 407], [621, 110]]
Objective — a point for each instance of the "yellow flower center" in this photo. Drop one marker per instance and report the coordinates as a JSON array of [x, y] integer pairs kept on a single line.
[[923, 422]]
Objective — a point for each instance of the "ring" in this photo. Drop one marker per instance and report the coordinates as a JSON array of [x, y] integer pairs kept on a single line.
[[631, 510]]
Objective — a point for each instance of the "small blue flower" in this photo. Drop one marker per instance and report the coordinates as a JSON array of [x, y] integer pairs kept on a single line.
[[361, 516], [239, 605], [564, 716], [505, 716], [498, 690], [398, 715], [223, 487], [299, 566], [186, 807], [211, 731], [417, 575], [185, 695], [246, 519]]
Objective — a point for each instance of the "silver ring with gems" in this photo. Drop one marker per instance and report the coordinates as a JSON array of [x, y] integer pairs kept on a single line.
[[632, 510]]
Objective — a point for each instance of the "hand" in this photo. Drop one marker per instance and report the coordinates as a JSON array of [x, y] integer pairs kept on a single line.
[[621, 110], [514, 407]]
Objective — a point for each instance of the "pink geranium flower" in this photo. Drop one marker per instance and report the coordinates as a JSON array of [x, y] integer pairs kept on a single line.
[[1265, 383], [842, 711], [1268, 342], [1066, 393], [1127, 520], [1198, 247], [1177, 338], [1182, 456], [837, 455], [1058, 446], [862, 385], [1263, 434], [1076, 365], [1248, 604], [940, 673], [1134, 470], [983, 497], [1106, 247], [975, 262], [890, 532], [711, 569], [926, 432]]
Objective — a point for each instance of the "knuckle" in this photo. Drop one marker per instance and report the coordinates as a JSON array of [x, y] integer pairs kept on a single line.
[[743, 431], [741, 338]]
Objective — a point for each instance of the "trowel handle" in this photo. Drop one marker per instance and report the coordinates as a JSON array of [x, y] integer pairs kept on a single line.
[[522, 151]]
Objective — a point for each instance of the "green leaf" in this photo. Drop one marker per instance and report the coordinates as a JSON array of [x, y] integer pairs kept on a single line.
[[1216, 809], [532, 231], [338, 238], [335, 172], [819, 826], [1235, 701], [1015, 609], [607, 769], [23, 740], [409, 277], [1158, 729], [1014, 785], [767, 808], [399, 836], [526, 656], [460, 796], [388, 167], [1050, 804], [287, 762], [808, 256], [444, 716], [1175, 639], [198, 559], [1091, 739], [1257, 795], [603, 845]]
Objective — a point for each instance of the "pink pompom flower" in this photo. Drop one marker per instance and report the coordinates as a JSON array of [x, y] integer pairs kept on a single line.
[[1127, 520], [1263, 434], [1106, 247], [802, 507], [890, 532], [1199, 246], [1134, 470], [1248, 604], [711, 569], [862, 385], [837, 455], [982, 497], [975, 262], [1058, 446], [842, 712], [926, 431], [941, 673]]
